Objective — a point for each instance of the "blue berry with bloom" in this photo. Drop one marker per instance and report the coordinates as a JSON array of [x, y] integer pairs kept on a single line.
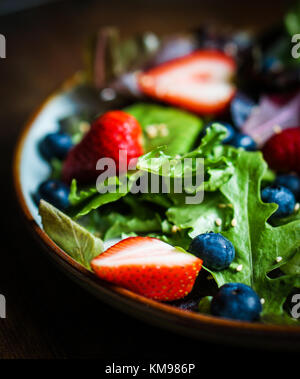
[[244, 141], [237, 301], [55, 145], [292, 182], [216, 251], [54, 192], [281, 196]]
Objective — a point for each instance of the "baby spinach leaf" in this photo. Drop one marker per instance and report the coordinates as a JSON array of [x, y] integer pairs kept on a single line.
[[75, 240], [172, 127]]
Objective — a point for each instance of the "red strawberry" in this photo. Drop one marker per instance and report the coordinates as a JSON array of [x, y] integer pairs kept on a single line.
[[199, 82], [282, 151], [110, 133], [148, 267]]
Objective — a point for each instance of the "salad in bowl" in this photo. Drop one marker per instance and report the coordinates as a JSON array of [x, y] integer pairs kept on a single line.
[[183, 185]]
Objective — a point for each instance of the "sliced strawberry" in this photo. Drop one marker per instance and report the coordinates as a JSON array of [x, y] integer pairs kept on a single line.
[[148, 267], [282, 151], [110, 133], [200, 82]]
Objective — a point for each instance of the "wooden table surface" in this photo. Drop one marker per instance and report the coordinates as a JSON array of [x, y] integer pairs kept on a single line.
[[48, 316]]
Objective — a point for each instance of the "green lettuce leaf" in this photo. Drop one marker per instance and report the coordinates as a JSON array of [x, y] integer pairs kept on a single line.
[[75, 240], [293, 266], [130, 214], [127, 224], [285, 220], [217, 160], [257, 243], [87, 200], [218, 169], [77, 197], [201, 218]]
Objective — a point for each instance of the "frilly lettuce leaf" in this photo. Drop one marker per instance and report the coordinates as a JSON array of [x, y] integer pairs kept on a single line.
[[201, 218], [127, 224], [285, 220], [217, 167], [293, 266], [243, 219], [87, 200], [257, 243], [217, 170]]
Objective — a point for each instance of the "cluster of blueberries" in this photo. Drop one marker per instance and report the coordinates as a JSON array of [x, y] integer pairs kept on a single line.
[[240, 109], [54, 146], [235, 301], [235, 138]]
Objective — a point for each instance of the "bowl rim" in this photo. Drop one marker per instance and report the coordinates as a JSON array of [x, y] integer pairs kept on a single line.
[[120, 294]]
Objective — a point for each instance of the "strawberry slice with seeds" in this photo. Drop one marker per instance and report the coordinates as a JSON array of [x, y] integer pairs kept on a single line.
[[149, 267], [200, 82]]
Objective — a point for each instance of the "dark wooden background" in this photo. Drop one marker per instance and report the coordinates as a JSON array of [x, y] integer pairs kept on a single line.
[[47, 315]]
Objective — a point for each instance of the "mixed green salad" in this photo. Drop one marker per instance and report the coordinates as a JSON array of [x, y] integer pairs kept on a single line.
[[246, 143]]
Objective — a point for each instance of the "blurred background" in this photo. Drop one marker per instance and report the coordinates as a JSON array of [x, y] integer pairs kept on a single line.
[[48, 315]]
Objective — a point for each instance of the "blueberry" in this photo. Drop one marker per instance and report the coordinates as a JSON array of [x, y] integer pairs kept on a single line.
[[55, 193], [215, 250], [292, 182], [238, 302], [55, 145], [282, 196], [244, 141], [241, 108], [230, 130]]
